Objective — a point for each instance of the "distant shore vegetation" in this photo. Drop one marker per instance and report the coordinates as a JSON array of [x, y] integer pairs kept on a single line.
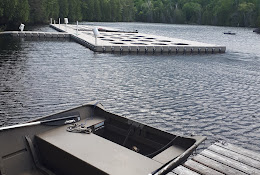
[[244, 13]]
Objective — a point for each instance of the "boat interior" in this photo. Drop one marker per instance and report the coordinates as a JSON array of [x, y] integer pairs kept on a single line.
[[100, 143]]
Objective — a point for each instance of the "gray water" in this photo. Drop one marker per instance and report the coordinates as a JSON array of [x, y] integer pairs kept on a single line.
[[213, 95]]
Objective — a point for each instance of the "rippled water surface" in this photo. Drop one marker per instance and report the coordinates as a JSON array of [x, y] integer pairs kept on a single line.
[[214, 95]]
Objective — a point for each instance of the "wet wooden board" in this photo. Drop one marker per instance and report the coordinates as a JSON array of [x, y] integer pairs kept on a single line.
[[235, 156], [181, 170], [200, 168], [216, 165], [221, 158], [240, 150]]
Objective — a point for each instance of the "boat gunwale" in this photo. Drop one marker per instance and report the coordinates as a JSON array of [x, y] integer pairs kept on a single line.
[[197, 138]]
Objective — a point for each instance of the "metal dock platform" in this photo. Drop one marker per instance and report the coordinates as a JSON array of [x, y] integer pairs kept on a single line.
[[112, 41], [221, 159]]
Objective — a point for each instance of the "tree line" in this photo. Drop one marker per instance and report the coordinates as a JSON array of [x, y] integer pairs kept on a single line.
[[206, 12], [14, 12], [244, 13]]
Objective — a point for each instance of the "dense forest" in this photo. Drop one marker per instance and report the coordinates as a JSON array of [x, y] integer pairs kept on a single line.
[[209, 12]]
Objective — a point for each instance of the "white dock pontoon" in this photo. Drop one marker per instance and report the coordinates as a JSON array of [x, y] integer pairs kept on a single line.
[[112, 40]]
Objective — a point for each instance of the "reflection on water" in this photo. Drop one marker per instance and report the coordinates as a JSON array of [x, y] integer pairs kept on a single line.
[[9, 45], [212, 95]]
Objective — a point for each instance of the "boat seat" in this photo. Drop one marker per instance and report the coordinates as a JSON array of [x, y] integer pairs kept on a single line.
[[35, 172], [168, 154], [68, 153]]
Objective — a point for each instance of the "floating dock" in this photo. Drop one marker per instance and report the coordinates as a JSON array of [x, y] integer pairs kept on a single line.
[[36, 34], [117, 41], [221, 159], [112, 40]]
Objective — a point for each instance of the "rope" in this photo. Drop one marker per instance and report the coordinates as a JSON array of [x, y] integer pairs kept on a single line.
[[161, 149], [81, 128], [77, 128], [128, 134]]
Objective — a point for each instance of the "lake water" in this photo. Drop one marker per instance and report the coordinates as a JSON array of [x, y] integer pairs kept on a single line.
[[216, 95]]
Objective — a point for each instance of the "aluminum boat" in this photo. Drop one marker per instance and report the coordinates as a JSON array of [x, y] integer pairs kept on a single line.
[[90, 140]]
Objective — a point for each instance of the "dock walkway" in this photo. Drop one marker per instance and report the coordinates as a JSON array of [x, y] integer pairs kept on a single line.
[[36, 34], [111, 40], [221, 159]]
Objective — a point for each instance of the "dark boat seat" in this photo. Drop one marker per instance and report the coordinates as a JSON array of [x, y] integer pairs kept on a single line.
[[34, 172], [169, 154], [66, 153]]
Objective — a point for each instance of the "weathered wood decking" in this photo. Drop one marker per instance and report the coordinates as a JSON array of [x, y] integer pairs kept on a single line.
[[221, 158]]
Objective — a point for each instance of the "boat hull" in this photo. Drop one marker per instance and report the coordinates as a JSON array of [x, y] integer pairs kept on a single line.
[[112, 145]]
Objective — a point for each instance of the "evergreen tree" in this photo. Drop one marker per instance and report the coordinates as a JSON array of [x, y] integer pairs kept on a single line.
[[52, 9], [37, 11], [106, 10], [90, 10], [116, 10], [75, 10], [192, 12], [63, 8], [9, 7], [246, 9], [1, 9], [178, 16], [84, 8], [22, 12], [128, 10], [97, 10]]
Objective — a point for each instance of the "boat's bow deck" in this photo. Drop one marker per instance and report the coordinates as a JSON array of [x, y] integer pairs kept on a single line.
[[76, 153]]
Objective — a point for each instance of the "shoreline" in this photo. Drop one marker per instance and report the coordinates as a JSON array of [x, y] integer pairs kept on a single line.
[[6, 28]]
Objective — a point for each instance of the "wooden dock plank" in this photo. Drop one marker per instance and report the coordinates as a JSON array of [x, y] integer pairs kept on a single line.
[[202, 169], [230, 162], [181, 170], [170, 173], [217, 166], [219, 159], [240, 150], [236, 156]]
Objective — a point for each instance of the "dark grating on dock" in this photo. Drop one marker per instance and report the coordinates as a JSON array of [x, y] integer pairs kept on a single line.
[[221, 158]]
